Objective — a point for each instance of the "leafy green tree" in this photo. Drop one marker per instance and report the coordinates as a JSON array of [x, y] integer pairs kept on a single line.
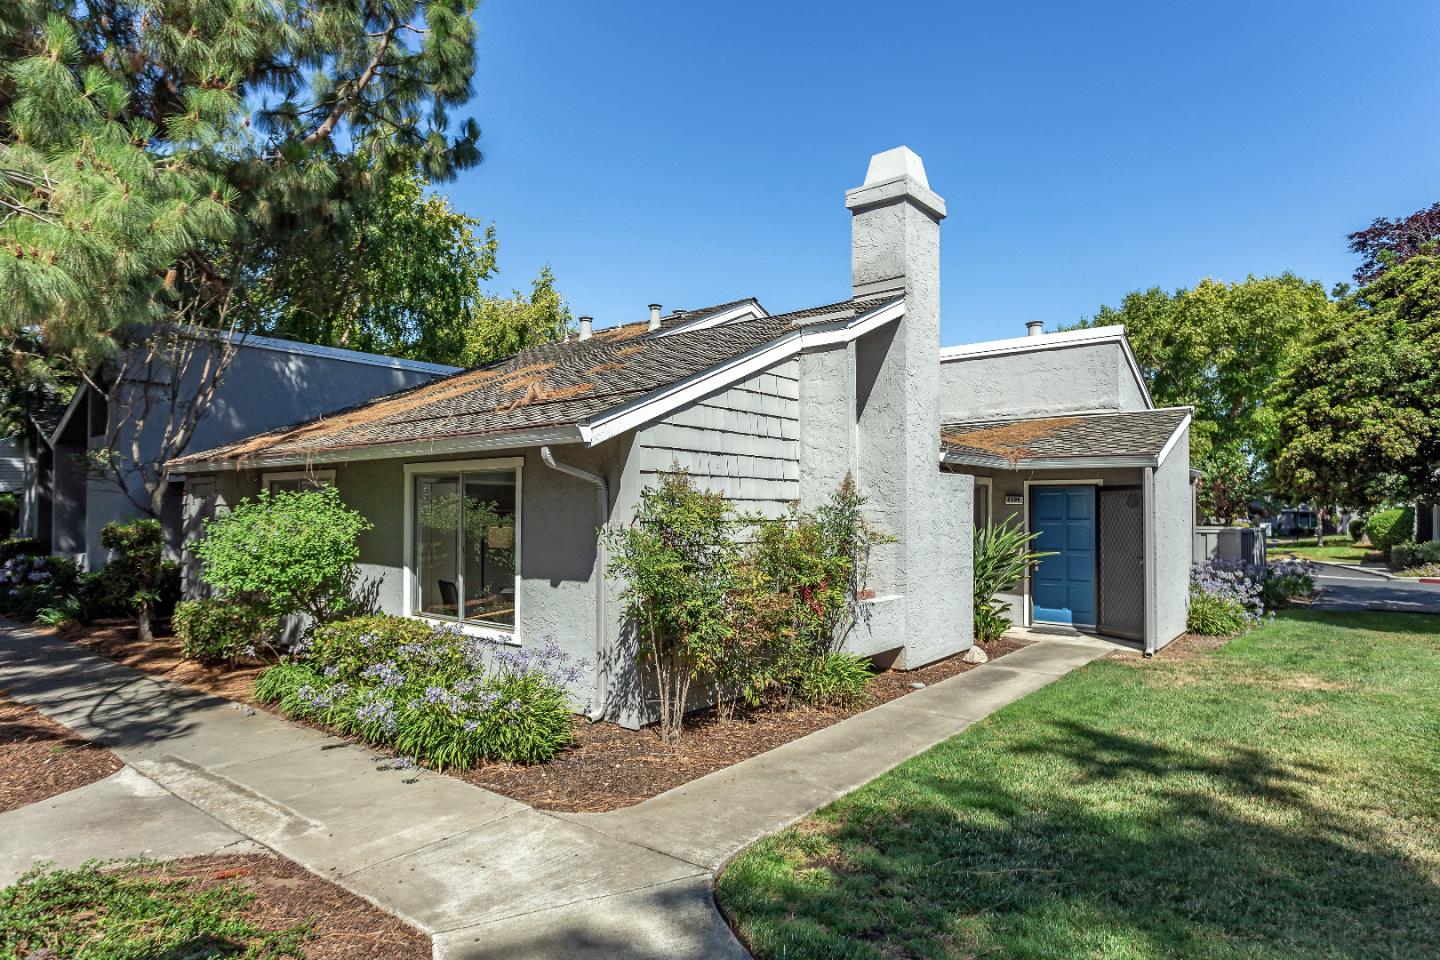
[[1360, 410], [501, 326], [153, 153], [1218, 347]]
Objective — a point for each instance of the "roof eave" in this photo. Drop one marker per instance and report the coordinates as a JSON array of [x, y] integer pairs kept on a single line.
[[1047, 463], [390, 451]]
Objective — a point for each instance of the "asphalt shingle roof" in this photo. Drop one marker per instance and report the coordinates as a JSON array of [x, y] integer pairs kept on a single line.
[[550, 385], [1134, 433]]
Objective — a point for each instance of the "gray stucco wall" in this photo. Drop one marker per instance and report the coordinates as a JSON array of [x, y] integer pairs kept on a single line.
[[263, 388], [743, 442], [1174, 530], [1037, 382]]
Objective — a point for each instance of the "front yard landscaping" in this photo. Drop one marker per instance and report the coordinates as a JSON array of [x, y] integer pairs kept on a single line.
[[1276, 796], [1346, 552], [258, 907]]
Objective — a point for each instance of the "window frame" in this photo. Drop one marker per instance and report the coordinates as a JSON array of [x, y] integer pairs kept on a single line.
[[513, 465], [319, 476]]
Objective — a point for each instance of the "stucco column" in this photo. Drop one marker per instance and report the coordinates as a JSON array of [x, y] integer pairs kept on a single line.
[[923, 579]]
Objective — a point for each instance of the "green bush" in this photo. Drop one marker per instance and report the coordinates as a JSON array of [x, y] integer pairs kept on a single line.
[[136, 909], [215, 630], [19, 547], [293, 552], [431, 693], [1002, 555], [138, 578], [30, 583], [1356, 529], [835, 680], [1409, 554], [1389, 527], [1215, 616]]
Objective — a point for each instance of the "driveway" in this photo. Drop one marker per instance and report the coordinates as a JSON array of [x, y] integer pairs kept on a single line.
[[1358, 589]]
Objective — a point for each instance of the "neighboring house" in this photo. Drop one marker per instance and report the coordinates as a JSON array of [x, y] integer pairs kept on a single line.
[[268, 383], [485, 488], [1427, 521]]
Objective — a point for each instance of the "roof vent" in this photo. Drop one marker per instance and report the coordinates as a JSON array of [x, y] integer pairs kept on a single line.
[[1035, 327], [654, 316], [586, 327]]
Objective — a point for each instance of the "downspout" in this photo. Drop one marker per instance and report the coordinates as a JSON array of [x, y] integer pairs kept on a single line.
[[602, 501], [1151, 614]]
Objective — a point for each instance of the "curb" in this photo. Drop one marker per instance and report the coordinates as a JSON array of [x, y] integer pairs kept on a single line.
[[1357, 568]]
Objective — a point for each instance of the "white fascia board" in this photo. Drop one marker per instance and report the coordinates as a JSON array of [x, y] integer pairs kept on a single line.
[[1046, 463], [658, 403], [750, 310], [1092, 336], [391, 451], [1174, 437]]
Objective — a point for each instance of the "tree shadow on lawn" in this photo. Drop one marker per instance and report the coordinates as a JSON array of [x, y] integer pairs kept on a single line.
[[1085, 842]]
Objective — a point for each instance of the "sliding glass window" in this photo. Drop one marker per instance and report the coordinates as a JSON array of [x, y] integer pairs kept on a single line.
[[466, 558]]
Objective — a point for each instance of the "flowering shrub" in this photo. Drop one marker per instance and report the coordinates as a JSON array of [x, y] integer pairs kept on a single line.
[[1287, 579], [430, 692], [1226, 596], [30, 583]]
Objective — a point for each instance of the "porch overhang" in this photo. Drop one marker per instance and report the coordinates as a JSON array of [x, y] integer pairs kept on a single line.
[[1111, 439]]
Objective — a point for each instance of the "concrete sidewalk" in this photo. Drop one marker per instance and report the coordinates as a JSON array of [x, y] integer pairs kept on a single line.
[[484, 875]]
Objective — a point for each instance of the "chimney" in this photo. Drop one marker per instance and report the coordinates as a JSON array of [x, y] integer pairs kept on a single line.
[[586, 327], [654, 316], [1034, 328], [895, 229]]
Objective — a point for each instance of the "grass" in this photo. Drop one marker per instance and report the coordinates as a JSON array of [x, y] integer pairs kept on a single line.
[[1347, 552], [138, 909], [1279, 797]]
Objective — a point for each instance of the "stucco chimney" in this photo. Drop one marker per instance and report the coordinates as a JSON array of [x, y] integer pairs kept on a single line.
[[654, 316], [586, 327], [1034, 327]]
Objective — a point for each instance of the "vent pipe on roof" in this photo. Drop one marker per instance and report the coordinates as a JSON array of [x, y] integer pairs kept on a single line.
[[654, 316], [1035, 327], [586, 327]]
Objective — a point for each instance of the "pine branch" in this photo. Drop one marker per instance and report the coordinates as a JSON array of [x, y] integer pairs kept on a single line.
[[343, 104]]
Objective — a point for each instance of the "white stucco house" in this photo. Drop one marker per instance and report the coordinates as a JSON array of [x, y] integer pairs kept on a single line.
[[767, 409]]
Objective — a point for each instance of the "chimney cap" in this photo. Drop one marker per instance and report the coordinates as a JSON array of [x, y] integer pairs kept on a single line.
[[1034, 328], [585, 327], [896, 162]]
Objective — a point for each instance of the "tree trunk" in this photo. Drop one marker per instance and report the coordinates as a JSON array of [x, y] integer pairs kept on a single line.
[[1319, 526], [142, 623]]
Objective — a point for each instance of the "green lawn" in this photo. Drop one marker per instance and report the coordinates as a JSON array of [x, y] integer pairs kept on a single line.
[[1277, 798], [1345, 552]]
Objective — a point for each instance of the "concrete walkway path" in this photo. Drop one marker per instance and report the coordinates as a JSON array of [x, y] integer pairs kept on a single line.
[[484, 875]]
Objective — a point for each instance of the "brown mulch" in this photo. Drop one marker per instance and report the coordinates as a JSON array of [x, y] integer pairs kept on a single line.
[[40, 758], [608, 768], [1183, 646], [611, 767], [118, 640], [344, 927]]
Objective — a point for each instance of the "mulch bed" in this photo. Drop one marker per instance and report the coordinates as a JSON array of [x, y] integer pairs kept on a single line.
[[1183, 646], [40, 758], [119, 640], [611, 767], [345, 927]]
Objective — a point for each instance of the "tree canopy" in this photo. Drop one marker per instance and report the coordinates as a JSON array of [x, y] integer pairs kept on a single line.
[[1218, 347]]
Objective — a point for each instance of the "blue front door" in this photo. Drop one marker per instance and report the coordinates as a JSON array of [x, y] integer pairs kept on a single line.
[[1063, 587]]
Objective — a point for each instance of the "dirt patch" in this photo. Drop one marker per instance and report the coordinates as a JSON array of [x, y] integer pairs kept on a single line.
[[345, 927], [611, 767], [1181, 648], [40, 758], [160, 657]]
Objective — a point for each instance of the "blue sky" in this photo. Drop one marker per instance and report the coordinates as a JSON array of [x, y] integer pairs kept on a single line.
[[695, 153]]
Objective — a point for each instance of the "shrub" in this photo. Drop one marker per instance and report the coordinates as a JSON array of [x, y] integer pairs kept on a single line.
[[30, 583], [1356, 529], [1409, 554], [429, 692], [18, 547], [292, 552], [1286, 580], [216, 630], [677, 558], [835, 680], [138, 578], [1389, 527], [1002, 555], [1212, 615]]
